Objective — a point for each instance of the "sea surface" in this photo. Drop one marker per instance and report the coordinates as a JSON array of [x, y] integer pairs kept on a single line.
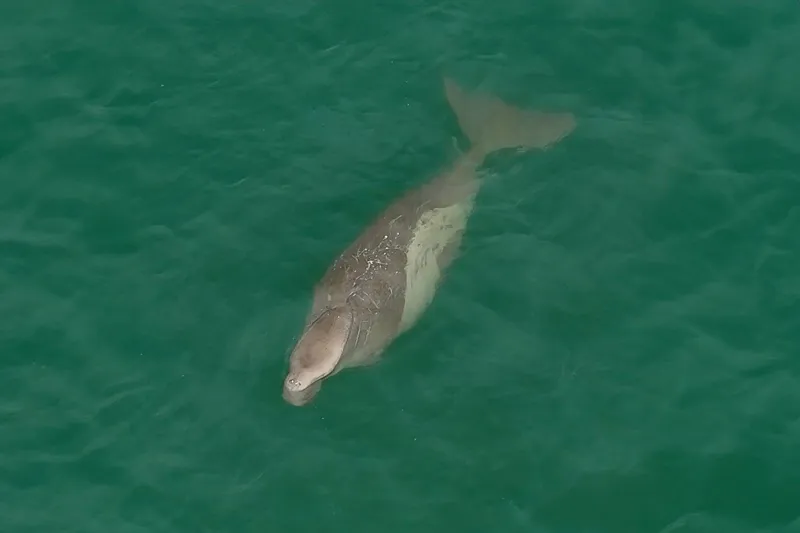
[[616, 349]]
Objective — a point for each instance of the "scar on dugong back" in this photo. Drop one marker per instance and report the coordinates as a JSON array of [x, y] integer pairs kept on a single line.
[[384, 280]]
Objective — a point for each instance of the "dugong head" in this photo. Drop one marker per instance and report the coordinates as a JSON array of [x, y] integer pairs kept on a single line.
[[317, 355]]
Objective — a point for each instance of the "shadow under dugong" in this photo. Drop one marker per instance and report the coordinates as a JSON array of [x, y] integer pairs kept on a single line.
[[382, 283]]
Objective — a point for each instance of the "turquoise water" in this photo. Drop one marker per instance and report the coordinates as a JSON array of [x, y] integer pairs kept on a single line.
[[615, 350]]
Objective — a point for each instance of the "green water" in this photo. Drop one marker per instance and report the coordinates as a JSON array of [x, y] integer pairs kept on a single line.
[[615, 350]]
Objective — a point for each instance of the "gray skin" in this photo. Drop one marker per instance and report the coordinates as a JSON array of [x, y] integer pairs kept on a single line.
[[358, 305], [365, 285]]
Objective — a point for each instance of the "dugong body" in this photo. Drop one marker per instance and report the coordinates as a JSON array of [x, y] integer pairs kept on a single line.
[[382, 283]]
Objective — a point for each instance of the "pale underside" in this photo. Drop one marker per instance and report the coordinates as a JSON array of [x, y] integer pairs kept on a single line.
[[434, 240]]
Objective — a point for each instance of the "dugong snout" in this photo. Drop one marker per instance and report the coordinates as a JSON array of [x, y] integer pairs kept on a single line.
[[295, 394], [317, 355]]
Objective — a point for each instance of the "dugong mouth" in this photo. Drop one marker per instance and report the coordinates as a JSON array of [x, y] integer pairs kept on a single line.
[[297, 396]]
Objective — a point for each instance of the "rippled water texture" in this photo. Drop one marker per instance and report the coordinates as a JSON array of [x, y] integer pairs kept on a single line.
[[615, 350]]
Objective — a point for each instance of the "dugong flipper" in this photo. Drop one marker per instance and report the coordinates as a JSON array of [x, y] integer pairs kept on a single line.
[[383, 282]]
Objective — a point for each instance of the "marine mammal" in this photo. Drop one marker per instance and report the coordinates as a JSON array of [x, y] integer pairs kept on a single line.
[[380, 285]]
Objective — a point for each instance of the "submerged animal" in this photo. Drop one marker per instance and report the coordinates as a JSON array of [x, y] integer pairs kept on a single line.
[[382, 283]]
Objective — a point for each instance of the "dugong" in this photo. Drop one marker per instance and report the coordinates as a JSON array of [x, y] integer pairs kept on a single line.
[[384, 280]]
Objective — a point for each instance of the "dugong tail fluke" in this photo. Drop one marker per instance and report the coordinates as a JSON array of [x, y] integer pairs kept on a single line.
[[380, 285], [491, 124]]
